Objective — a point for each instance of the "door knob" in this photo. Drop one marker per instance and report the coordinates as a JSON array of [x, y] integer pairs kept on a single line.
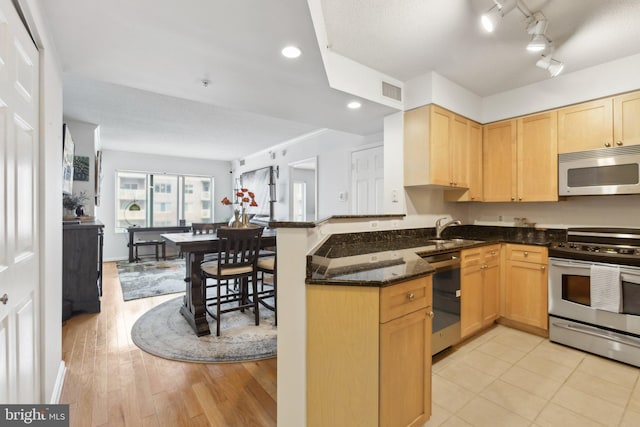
[[411, 296], [526, 253], [607, 144], [619, 143], [4, 298], [430, 314]]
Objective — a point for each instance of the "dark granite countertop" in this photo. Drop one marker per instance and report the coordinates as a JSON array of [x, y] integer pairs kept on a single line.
[[384, 258]]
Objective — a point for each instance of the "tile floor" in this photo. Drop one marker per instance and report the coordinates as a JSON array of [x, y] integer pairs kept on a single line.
[[509, 378]]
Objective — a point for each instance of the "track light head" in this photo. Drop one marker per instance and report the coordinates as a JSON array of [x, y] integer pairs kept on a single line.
[[553, 66], [538, 43], [493, 16]]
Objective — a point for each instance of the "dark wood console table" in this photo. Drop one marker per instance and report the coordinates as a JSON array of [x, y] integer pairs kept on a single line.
[[81, 267], [158, 230]]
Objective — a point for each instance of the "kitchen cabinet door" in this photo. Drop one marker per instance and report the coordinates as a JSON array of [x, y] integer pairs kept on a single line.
[[626, 125], [405, 370], [479, 288], [526, 293], [435, 148], [471, 300], [499, 161], [459, 151], [537, 158], [491, 297], [585, 126], [472, 156], [526, 285]]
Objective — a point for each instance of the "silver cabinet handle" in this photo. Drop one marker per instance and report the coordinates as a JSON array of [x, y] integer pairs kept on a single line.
[[607, 144], [430, 314], [542, 267], [4, 298], [411, 296], [619, 143], [526, 253]]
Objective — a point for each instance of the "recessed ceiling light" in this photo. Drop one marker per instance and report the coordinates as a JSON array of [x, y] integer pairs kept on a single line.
[[354, 105], [291, 52]]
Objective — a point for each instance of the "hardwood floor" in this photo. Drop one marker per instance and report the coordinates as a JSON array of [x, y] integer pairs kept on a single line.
[[111, 382]]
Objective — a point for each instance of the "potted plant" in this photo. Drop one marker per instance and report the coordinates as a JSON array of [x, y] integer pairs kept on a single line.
[[74, 204]]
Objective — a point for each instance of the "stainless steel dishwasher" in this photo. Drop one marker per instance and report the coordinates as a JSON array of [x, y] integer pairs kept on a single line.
[[446, 300]]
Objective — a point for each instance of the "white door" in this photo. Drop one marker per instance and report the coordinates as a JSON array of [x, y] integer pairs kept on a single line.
[[367, 181], [19, 254]]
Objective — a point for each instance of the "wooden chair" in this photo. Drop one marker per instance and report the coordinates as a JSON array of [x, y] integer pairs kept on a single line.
[[237, 261], [266, 265], [207, 228]]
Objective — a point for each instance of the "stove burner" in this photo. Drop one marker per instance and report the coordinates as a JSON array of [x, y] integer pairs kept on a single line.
[[612, 245]]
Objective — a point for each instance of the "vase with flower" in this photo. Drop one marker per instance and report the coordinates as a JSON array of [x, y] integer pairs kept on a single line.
[[244, 198]]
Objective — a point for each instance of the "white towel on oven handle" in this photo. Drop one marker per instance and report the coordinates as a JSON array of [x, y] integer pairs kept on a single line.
[[606, 288]]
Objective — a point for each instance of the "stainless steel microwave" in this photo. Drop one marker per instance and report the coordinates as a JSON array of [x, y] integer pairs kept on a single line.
[[605, 171]]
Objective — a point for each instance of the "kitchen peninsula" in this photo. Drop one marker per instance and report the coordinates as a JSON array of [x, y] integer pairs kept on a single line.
[[350, 272]]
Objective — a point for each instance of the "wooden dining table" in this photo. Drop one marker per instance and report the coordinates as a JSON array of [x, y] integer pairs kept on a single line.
[[195, 247]]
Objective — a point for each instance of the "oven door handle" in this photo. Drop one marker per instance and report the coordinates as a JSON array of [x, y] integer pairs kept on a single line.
[[565, 264], [599, 333], [625, 272]]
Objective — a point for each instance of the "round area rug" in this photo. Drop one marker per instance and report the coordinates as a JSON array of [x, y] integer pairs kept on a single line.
[[162, 331]]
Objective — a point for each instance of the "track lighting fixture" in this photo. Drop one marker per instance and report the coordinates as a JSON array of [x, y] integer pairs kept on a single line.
[[536, 27], [554, 67]]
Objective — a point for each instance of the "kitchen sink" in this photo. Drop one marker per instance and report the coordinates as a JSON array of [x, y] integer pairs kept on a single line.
[[454, 242]]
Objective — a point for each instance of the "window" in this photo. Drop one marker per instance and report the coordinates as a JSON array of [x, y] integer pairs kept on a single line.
[[148, 200]]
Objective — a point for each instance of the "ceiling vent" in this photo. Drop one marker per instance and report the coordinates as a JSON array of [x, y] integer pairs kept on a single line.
[[391, 91]]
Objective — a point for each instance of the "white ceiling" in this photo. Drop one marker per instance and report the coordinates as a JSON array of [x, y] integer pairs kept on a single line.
[[135, 67]]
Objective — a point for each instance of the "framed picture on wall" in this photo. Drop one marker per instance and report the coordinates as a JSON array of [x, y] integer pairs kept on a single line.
[[98, 176], [67, 160]]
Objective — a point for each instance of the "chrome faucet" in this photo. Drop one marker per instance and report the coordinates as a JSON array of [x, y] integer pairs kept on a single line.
[[441, 227]]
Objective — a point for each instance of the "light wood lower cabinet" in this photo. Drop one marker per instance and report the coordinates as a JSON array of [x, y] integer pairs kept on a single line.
[[479, 288], [526, 289], [369, 354]]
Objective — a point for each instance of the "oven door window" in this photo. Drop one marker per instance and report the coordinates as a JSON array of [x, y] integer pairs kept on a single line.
[[576, 289]]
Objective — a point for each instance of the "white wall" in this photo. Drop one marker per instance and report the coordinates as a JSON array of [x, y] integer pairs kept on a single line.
[[84, 139], [333, 150], [596, 82], [52, 367], [115, 244]]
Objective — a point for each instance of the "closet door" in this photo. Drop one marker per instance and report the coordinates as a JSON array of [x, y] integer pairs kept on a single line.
[[19, 249]]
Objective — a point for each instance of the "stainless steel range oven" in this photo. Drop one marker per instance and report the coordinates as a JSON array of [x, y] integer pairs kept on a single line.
[[594, 292]]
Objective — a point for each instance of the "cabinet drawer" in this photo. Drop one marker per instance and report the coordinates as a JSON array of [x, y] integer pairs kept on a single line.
[[403, 298], [491, 255], [527, 253], [471, 257]]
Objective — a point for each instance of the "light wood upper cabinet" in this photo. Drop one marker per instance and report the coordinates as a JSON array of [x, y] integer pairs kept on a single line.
[[474, 168], [520, 159], [585, 126], [369, 354], [626, 119], [499, 161], [537, 173], [606, 122], [436, 148]]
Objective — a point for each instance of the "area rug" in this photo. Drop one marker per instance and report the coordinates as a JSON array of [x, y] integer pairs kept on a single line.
[[162, 331], [151, 278]]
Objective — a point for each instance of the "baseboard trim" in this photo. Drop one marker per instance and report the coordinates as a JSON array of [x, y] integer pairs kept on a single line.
[[57, 387]]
